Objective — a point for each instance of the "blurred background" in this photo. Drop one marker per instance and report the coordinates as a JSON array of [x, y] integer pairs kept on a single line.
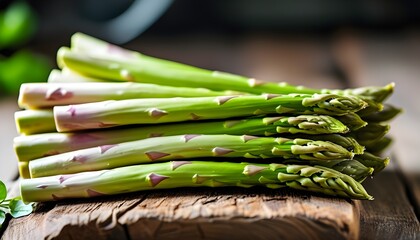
[[317, 43]]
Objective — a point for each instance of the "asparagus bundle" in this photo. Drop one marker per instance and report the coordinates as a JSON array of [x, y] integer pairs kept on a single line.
[[86, 133]]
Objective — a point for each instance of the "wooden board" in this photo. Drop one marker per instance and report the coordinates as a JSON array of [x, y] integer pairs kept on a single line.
[[390, 215], [227, 213]]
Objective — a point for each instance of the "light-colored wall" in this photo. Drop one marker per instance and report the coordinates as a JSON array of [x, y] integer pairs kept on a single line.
[[8, 166]]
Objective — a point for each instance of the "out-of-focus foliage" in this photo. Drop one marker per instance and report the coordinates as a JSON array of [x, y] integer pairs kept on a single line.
[[22, 66], [17, 26]]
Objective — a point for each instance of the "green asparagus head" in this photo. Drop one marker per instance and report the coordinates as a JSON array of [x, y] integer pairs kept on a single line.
[[373, 161], [352, 120], [324, 180], [371, 133], [308, 124], [378, 146], [349, 143], [354, 169], [377, 94], [318, 150], [334, 104], [373, 107], [389, 112], [350, 167]]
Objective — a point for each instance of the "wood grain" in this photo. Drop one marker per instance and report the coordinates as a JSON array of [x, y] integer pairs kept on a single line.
[[193, 214], [390, 215]]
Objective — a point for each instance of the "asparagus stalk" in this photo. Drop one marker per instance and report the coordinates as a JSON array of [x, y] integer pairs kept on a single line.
[[100, 59], [127, 68], [41, 145], [350, 167], [34, 121], [163, 110], [184, 146], [44, 95], [24, 169], [191, 174]]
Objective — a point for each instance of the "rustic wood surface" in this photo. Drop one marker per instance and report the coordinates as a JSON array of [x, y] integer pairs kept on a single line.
[[193, 214], [345, 59], [390, 215]]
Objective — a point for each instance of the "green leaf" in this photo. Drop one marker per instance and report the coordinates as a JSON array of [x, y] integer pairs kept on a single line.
[[3, 191], [2, 218], [18, 208]]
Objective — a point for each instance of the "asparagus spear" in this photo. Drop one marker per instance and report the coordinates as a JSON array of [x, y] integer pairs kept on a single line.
[[191, 174], [184, 146], [141, 68], [100, 59], [163, 110], [43, 95], [350, 167], [34, 121], [41, 145], [24, 169]]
